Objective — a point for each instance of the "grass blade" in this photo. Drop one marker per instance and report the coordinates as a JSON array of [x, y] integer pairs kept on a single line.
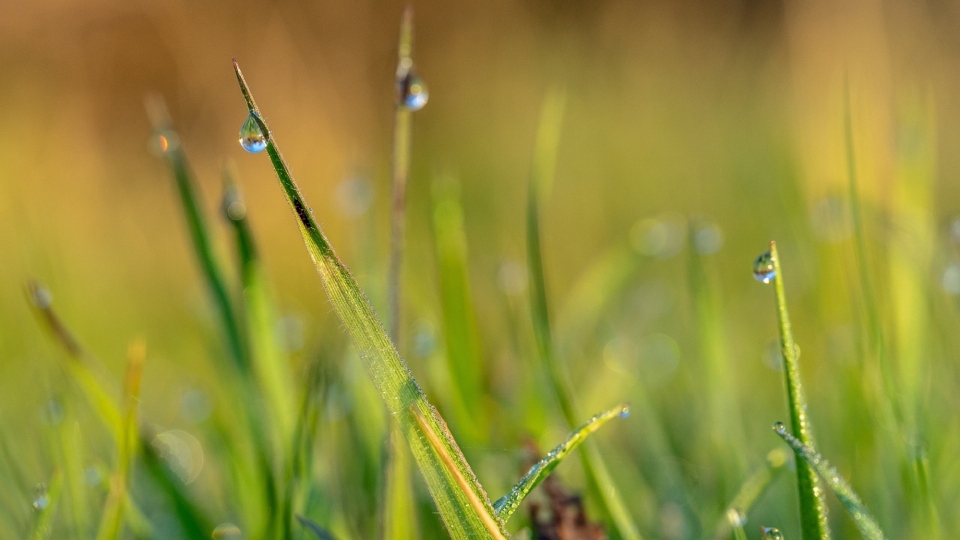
[[385, 367], [43, 521], [506, 505], [111, 520], [198, 229], [540, 182], [316, 529], [813, 508], [750, 492], [865, 522]]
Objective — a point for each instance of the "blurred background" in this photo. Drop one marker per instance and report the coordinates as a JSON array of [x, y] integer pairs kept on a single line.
[[694, 133]]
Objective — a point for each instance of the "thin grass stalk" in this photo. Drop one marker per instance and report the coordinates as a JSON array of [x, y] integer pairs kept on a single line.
[[384, 365], [813, 508], [750, 492], [865, 522], [542, 176], [42, 525]]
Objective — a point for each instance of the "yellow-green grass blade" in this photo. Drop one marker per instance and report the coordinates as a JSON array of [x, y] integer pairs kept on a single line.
[[464, 357], [112, 517], [865, 522], [750, 492], [195, 525], [399, 511], [404, 398], [508, 504], [813, 508], [540, 183], [202, 239], [270, 366]]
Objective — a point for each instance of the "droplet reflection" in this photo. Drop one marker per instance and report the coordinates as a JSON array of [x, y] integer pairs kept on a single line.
[[251, 137], [763, 269]]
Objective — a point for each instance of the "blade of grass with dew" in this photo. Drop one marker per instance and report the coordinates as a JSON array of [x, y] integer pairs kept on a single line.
[[111, 520], [197, 226], [548, 137], [865, 522], [388, 371], [43, 517], [269, 364], [750, 492], [464, 358], [400, 518], [813, 508], [245, 391], [508, 504]]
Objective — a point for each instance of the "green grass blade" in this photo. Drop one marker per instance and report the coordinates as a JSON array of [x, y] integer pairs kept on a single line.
[[195, 525], [404, 398], [865, 522], [540, 183], [269, 364], [813, 508], [750, 492], [198, 229], [400, 512], [507, 505], [316, 529], [464, 357], [112, 518]]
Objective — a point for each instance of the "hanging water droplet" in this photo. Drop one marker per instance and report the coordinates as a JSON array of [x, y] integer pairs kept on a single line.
[[411, 90], [763, 268], [164, 142], [624, 412], [42, 500], [251, 137], [736, 517], [769, 533], [227, 531], [779, 428]]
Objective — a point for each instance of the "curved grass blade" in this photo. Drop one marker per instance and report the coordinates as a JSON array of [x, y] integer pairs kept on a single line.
[[43, 521], [813, 508], [548, 137], [507, 505], [750, 492], [865, 522], [386, 368], [199, 231]]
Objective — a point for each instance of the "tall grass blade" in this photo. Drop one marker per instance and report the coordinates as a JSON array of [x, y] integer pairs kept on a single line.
[[199, 231], [865, 522], [541, 181], [750, 492], [111, 520], [316, 529], [813, 508], [508, 504], [43, 519], [194, 524], [388, 371]]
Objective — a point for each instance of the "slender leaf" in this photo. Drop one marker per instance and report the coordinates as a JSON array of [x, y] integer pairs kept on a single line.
[[540, 182], [388, 371], [750, 492], [316, 529], [813, 508], [865, 522], [507, 505], [45, 511]]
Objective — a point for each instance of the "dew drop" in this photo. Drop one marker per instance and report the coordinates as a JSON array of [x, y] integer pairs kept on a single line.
[[779, 428], [624, 412], [251, 137], [763, 269], [42, 500], [411, 90], [736, 517], [227, 531], [769, 533]]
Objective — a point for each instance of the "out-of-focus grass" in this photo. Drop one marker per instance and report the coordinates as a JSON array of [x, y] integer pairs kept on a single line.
[[671, 114]]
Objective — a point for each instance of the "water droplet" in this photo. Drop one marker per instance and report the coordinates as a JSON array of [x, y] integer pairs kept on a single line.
[[182, 452], [624, 412], [251, 137], [162, 143], [763, 269], [411, 90], [233, 205], [40, 295], [779, 428], [951, 279], [708, 239], [42, 500], [227, 531], [769, 533]]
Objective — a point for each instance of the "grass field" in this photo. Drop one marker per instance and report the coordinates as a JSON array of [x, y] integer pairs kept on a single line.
[[534, 262]]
